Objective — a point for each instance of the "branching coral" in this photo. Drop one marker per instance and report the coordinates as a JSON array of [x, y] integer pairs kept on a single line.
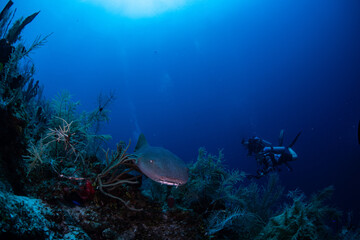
[[64, 107], [68, 136], [18, 87], [65, 146], [63, 134], [36, 155], [101, 113], [261, 200], [17, 91], [350, 229], [18, 82], [93, 120], [116, 173], [233, 224], [219, 220], [38, 117], [84, 126], [229, 207], [210, 184], [302, 220]]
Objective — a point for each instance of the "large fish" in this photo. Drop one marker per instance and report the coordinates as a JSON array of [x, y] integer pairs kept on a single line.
[[159, 164]]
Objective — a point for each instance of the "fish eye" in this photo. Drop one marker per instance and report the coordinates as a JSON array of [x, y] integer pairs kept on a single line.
[[151, 161]]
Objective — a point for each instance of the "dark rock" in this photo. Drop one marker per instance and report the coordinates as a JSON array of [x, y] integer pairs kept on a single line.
[[109, 233]]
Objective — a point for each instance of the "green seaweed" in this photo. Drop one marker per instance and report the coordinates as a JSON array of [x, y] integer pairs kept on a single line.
[[68, 139], [210, 184], [262, 200], [230, 208], [18, 90], [303, 219]]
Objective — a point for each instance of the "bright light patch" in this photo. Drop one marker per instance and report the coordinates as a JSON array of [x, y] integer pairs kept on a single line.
[[140, 8]]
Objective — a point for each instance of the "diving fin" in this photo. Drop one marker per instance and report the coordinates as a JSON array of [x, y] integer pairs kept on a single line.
[[295, 139], [281, 137]]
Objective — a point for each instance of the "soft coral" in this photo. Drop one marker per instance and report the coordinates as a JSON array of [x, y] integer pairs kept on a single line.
[[79, 195], [86, 191]]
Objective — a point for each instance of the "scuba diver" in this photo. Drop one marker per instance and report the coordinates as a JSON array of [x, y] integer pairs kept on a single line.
[[269, 157], [254, 145]]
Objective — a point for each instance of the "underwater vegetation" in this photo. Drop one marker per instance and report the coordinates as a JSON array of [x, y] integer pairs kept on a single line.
[[302, 219], [58, 180], [232, 208], [20, 95]]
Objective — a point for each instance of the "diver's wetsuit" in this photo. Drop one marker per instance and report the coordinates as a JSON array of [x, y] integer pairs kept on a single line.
[[269, 158]]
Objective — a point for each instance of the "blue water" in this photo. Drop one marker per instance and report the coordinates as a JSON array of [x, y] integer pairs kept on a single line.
[[214, 72]]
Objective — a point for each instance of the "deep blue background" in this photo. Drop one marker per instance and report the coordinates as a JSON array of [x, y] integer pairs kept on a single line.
[[216, 72]]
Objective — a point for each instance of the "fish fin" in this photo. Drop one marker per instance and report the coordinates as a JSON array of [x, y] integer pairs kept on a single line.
[[141, 142]]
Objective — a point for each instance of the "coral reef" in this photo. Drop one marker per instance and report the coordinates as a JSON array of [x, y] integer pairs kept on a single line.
[[117, 173], [28, 218], [303, 220], [23, 216], [56, 183], [17, 95], [234, 209]]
